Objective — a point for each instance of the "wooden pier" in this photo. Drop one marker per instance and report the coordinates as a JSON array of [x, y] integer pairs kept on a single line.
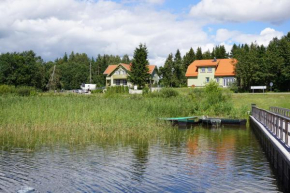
[[272, 129]]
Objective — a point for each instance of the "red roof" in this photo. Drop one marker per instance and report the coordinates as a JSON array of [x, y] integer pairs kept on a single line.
[[111, 68], [224, 67]]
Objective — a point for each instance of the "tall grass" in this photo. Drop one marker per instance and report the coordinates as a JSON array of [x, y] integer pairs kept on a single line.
[[84, 119], [78, 119]]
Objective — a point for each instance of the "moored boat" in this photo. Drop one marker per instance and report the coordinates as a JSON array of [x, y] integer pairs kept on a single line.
[[205, 121]]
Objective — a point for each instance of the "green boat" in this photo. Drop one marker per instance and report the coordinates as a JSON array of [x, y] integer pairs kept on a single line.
[[205, 121], [183, 120]]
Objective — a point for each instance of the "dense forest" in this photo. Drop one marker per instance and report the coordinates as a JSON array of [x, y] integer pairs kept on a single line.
[[257, 65], [27, 69]]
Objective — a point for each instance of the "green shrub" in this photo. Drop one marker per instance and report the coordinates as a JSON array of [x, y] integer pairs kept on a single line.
[[117, 90], [21, 90], [25, 91], [234, 87], [98, 90], [168, 92], [6, 89], [212, 100], [146, 90]]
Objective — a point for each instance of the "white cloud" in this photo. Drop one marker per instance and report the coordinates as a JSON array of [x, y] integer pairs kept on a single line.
[[53, 27], [155, 1], [273, 11], [224, 36]]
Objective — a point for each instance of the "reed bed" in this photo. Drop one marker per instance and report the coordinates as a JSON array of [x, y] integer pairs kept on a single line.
[[71, 119], [28, 122]]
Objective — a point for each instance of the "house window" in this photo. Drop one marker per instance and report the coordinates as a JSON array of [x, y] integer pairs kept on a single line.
[[217, 80], [124, 82], [118, 82], [202, 70], [228, 81], [209, 70], [207, 79]]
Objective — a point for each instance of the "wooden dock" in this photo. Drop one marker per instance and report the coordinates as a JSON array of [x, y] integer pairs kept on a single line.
[[272, 129]]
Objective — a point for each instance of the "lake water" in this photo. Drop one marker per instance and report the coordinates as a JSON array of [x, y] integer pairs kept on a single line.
[[199, 160]]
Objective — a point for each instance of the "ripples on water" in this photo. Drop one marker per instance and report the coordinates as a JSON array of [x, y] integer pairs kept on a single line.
[[227, 160]]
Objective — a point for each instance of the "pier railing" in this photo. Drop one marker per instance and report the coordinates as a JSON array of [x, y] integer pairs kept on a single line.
[[280, 111], [276, 124]]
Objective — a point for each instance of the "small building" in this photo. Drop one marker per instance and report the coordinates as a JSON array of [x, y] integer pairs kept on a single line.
[[88, 87], [200, 72], [117, 75]]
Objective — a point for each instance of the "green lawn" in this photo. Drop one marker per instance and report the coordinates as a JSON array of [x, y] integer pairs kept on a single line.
[[260, 99]]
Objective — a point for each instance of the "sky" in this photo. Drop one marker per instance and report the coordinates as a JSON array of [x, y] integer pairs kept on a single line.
[[117, 27]]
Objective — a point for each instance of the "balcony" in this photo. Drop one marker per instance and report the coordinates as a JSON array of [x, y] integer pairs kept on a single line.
[[120, 76]]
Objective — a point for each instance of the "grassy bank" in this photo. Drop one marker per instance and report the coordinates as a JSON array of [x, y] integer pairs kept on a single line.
[[72, 119], [244, 100]]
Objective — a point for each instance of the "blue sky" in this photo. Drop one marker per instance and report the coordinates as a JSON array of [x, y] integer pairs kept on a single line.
[[54, 27]]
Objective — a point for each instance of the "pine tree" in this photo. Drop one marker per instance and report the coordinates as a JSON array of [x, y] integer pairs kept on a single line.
[[206, 55], [167, 71], [178, 72], [65, 58], [234, 51], [126, 59], [139, 73], [188, 58], [198, 54]]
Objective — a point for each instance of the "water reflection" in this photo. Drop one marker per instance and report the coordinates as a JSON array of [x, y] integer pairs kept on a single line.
[[140, 160], [197, 160]]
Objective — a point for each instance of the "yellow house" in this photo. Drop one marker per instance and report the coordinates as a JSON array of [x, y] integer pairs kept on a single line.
[[116, 75], [201, 72]]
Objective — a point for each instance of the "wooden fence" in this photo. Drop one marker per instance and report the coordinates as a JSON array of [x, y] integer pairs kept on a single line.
[[275, 121], [280, 111]]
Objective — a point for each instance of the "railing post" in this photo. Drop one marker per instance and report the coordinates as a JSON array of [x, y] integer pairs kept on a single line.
[[286, 132], [277, 126], [281, 129]]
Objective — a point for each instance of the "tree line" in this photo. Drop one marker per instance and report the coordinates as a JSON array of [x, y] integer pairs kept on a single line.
[[260, 65], [67, 72], [257, 65]]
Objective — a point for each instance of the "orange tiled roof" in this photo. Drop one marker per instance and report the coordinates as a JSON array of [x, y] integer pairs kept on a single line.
[[205, 63], [111, 68], [151, 68], [224, 67]]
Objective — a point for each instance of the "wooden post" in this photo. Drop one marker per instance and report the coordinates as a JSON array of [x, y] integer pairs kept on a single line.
[[286, 132]]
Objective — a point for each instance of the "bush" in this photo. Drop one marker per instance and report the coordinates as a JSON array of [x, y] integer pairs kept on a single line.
[[117, 90], [25, 91], [98, 90], [168, 92], [234, 87], [146, 90], [21, 90], [6, 89], [212, 100]]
